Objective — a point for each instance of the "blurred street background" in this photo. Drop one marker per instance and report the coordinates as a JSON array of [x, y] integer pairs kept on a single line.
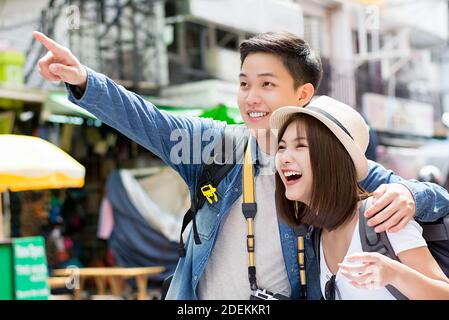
[[387, 58]]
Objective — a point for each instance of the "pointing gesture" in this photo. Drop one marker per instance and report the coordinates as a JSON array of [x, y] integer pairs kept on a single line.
[[59, 64]]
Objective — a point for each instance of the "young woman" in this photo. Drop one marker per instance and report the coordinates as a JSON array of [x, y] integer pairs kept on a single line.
[[320, 160]]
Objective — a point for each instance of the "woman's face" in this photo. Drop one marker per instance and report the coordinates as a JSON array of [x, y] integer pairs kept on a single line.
[[293, 163]]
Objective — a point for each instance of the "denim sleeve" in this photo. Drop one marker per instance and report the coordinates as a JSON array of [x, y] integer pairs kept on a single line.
[[177, 140], [432, 201]]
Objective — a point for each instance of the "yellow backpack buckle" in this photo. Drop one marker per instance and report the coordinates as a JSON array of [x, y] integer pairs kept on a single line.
[[209, 192]]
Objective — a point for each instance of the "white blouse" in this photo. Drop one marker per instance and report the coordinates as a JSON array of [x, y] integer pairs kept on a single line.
[[409, 237]]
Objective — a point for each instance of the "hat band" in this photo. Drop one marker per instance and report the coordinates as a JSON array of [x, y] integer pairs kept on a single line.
[[331, 118]]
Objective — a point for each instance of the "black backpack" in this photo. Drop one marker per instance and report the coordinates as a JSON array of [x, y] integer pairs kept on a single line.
[[435, 233], [233, 143]]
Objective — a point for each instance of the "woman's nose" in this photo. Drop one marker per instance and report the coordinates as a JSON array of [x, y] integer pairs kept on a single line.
[[285, 157]]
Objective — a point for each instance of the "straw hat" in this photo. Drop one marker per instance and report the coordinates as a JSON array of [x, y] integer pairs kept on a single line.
[[344, 122]]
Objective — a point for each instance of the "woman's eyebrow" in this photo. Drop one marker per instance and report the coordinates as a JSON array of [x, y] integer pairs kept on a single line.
[[297, 139], [267, 74]]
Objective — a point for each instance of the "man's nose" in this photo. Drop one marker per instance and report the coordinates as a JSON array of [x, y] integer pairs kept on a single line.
[[253, 97]]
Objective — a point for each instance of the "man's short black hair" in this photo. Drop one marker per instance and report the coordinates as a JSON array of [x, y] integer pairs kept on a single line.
[[302, 64]]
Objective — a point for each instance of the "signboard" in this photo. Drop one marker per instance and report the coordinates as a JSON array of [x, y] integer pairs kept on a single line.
[[30, 269], [254, 16], [23, 271], [433, 19], [396, 115]]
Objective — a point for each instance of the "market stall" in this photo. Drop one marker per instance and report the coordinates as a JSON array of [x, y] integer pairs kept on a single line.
[[30, 163]]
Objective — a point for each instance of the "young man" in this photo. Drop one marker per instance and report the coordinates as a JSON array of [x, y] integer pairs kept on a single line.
[[277, 69]]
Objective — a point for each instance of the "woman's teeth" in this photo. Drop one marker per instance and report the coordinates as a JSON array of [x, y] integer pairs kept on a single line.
[[257, 114], [292, 175]]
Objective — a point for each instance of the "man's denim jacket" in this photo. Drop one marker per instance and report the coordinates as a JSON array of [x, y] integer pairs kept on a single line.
[[154, 129]]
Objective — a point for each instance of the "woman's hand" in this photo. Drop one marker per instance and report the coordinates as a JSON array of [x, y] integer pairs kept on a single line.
[[369, 270]]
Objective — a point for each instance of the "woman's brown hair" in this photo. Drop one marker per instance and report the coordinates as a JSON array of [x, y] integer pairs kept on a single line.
[[335, 190]]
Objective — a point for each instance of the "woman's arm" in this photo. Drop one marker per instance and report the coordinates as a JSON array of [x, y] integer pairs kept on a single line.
[[419, 277]]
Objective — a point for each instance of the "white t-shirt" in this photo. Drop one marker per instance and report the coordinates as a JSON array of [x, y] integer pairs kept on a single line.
[[226, 273], [409, 237]]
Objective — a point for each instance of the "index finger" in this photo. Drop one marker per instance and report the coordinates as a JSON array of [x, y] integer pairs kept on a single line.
[[363, 257], [359, 268], [48, 43]]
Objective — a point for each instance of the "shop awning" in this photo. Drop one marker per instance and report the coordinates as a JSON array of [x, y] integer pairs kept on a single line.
[[223, 113], [23, 94], [58, 104]]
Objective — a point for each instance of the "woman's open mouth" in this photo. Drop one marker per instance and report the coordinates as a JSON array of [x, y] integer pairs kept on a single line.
[[292, 177]]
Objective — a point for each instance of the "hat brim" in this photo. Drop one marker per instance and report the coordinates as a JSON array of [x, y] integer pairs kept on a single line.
[[281, 116]]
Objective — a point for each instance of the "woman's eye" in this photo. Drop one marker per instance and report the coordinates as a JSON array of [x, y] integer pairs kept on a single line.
[[243, 84], [301, 146], [268, 84], [281, 148]]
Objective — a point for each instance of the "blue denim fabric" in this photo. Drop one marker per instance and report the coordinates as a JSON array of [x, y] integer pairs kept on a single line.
[[142, 122]]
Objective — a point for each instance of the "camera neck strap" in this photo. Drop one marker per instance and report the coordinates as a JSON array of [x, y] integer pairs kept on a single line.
[[301, 233], [249, 208]]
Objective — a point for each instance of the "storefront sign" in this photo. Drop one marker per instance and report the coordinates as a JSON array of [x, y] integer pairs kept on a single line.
[[24, 274], [266, 15], [396, 115]]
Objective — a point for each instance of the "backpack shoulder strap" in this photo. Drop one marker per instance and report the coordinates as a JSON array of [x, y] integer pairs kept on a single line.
[[233, 142], [376, 242], [222, 160]]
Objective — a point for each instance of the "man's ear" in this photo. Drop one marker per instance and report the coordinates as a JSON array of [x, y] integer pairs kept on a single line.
[[305, 94]]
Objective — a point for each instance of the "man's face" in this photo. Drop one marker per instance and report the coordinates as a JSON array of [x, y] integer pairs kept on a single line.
[[265, 85]]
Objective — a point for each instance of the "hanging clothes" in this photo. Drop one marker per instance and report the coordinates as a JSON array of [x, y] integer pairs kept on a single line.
[[106, 220]]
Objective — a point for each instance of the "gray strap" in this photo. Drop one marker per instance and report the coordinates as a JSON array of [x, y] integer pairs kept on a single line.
[[377, 242]]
